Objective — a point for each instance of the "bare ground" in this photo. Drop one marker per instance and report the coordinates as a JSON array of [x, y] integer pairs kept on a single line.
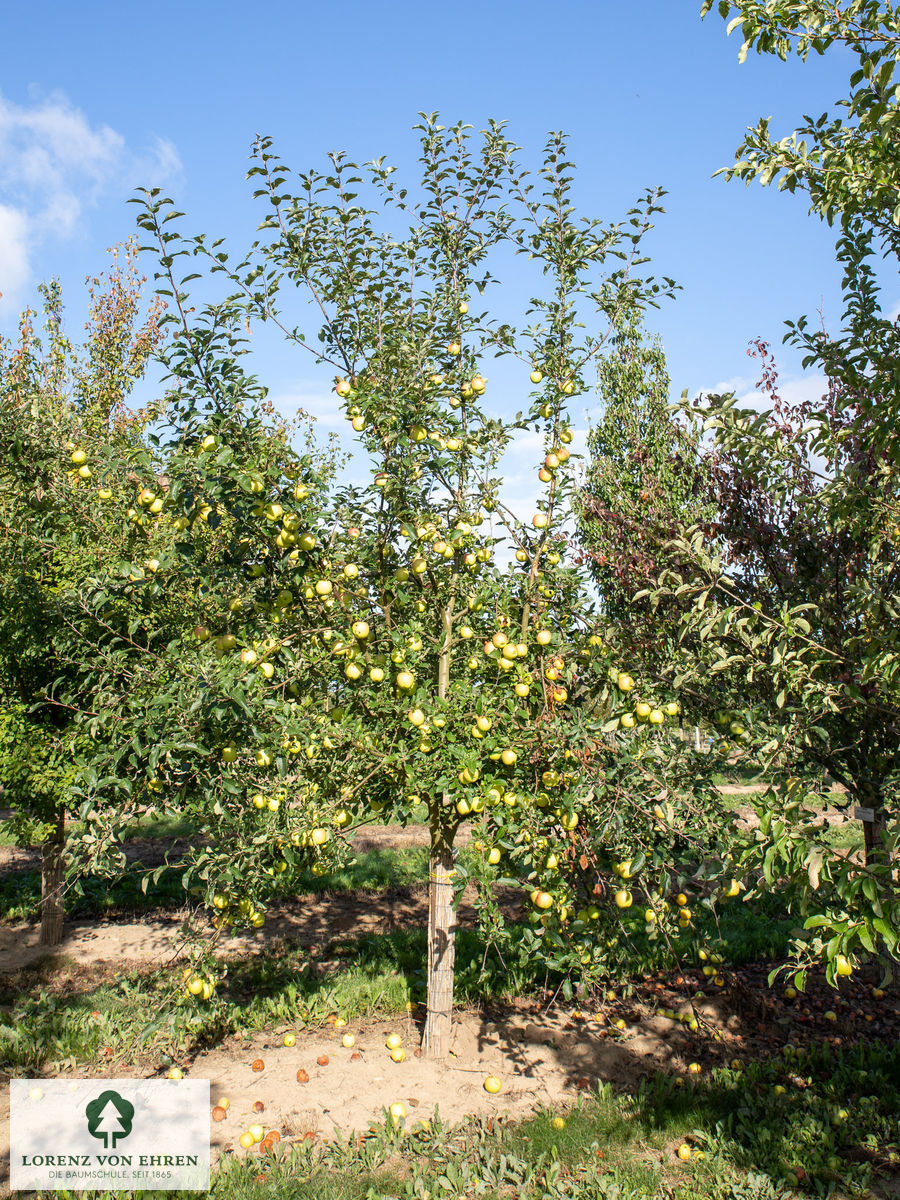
[[542, 1059]]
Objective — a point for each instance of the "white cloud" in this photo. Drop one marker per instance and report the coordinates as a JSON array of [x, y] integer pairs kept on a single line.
[[804, 389], [13, 252], [323, 406], [739, 384], [793, 390], [54, 165]]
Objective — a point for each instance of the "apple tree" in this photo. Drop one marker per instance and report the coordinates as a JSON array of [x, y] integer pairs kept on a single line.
[[436, 652], [213, 691], [135, 588], [68, 435]]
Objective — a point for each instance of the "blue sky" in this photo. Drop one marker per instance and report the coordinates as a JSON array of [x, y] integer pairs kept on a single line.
[[101, 97]]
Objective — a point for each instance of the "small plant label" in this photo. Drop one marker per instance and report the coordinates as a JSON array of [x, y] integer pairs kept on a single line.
[[109, 1134]]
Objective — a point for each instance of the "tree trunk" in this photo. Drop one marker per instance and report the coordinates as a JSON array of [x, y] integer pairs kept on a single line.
[[441, 946], [441, 913], [53, 878], [873, 836], [874, 830]]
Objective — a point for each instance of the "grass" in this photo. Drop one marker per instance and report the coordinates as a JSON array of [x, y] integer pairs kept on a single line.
[[372, 871], [6, 838], [847, 836], [153, 825], [834, 1133], [52, 1020], [159, 825], [92, 896]]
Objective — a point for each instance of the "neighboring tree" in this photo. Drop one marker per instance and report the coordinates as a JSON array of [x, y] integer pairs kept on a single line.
[[644, 477], [416, 664], [793, 596], [645, 480], [61, 407], [119, 695], [795, 611], [192, 709]]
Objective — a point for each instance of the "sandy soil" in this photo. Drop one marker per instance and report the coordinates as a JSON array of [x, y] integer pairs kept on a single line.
[[542, 1059]]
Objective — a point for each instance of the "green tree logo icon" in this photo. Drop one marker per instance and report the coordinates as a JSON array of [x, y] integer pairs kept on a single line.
[[109, 1117]]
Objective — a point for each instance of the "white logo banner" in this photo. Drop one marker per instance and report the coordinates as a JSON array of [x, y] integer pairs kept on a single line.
[[109, 1134]]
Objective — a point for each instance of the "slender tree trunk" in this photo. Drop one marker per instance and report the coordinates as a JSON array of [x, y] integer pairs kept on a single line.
[[53, 878], [872, 838], [441, 913], [441, 946]]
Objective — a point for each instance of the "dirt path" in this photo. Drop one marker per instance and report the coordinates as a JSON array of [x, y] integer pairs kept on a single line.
[[307, 920], [541, 1059]]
